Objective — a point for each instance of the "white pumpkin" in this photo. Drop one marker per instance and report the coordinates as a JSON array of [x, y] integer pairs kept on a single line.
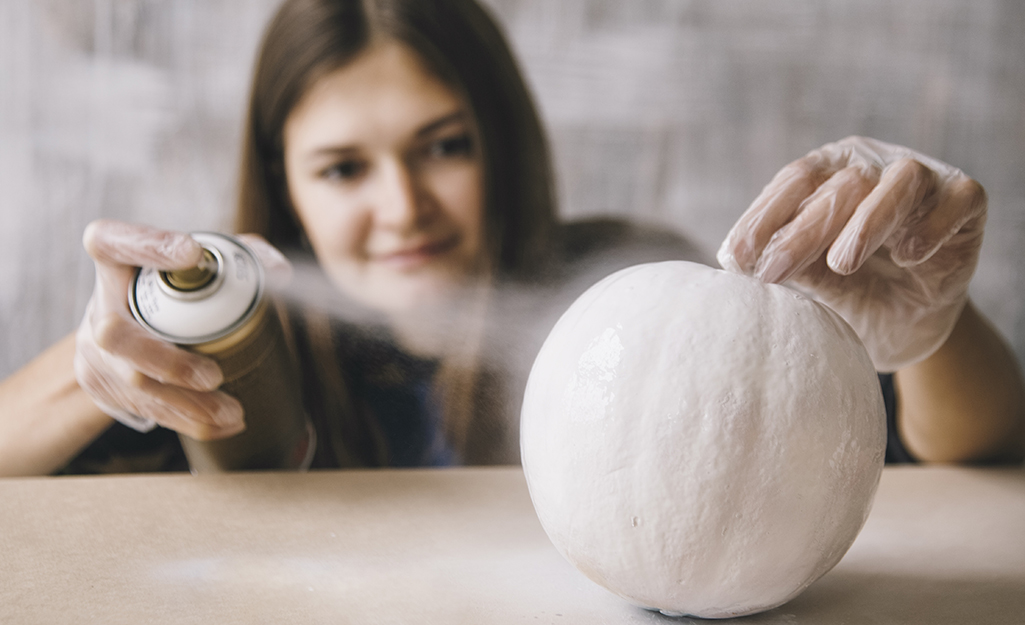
[[700, 442]]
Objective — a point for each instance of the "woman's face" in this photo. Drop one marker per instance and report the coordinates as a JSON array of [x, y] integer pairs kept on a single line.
[[385, 173]]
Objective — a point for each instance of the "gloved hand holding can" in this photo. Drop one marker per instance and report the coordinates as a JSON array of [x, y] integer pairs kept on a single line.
[[206, 293]]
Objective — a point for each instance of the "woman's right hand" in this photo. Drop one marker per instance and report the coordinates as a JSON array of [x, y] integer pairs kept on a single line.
[[132, 375]]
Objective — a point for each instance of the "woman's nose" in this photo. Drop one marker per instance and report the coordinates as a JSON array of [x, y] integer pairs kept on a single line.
[[402, 204]]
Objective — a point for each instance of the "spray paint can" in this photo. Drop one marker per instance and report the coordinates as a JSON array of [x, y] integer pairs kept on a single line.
[[219, 309]]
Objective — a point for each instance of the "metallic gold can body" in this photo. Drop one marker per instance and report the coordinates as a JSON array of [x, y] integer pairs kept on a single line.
[[228, 318], [259, 371]]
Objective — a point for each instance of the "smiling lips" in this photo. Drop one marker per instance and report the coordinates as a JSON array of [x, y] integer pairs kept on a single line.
[[415, 256]]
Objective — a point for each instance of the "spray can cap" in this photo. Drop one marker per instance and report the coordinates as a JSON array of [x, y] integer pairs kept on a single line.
[[194, 278], [202, 303]]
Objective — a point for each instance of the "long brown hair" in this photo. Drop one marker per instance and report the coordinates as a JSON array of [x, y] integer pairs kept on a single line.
[[459, 42]]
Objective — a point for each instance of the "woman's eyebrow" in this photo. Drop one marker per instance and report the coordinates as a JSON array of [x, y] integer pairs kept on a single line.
[[332, 150], [335, 151], [457, 116]]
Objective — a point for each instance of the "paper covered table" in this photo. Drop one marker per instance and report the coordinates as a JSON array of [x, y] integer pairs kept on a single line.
[[942, 545]]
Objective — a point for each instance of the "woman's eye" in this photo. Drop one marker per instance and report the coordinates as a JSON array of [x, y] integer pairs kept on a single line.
[[344, 170], [458, 145]]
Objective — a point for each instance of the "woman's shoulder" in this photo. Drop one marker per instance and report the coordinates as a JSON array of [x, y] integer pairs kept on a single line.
[[608, 243], [585, 251]]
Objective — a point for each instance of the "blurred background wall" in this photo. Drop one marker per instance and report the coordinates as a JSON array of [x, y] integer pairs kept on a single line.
[[672, 111]]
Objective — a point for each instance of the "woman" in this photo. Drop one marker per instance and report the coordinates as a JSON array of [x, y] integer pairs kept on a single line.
[[395, 142]]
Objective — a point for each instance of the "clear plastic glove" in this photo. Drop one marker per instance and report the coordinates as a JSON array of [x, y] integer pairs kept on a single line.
[[131, 374], [887, 237]]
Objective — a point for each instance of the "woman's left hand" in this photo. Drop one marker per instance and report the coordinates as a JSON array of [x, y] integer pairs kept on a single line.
[[885, 236]]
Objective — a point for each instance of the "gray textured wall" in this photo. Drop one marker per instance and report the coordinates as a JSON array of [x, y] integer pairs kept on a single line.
[[669, 110]]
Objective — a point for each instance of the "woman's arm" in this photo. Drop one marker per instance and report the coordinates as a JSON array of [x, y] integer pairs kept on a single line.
[[966, 402], [45, 417]]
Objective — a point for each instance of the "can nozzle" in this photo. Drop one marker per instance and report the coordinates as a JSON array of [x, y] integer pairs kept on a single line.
[[194, 278]]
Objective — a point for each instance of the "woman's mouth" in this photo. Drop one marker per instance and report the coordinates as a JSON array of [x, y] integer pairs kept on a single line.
[[418, 255]]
